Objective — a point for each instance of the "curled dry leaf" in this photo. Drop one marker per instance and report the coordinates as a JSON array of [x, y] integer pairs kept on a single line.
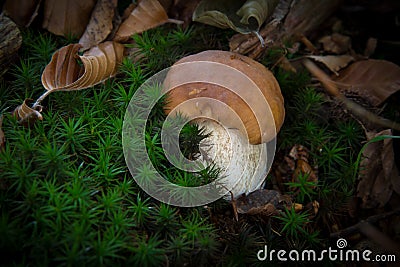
[[27, 115], [242, 17], [65, 73], [378, 172], [148, 14], [22, 12], [263, 202], [67, 17], [100, 24], [334, 63], [374, 80]]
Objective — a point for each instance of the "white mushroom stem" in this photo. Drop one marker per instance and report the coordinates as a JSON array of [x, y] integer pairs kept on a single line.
[[243, 166]]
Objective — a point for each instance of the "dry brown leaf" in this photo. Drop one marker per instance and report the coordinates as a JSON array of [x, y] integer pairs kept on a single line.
[[378, 172], [263, 202], [22, 12], [10, 42], [27, 115], [100, 24], [374, 80], [336, 43], [2, 136], [65, 73], [334, 63], [148, 14], [67, 17]]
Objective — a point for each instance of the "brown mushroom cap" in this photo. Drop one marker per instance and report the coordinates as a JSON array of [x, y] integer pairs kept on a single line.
[[249, 95]]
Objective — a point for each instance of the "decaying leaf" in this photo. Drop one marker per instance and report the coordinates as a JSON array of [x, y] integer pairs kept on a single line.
[[336, 43], [148, 14], [243, 18], [27, 115], [263, 202], [2, 136], [378, 172], [100, 24], [22, 12], [334, 63], [374, 80], [65, 73], [67, 17], [10, 42]]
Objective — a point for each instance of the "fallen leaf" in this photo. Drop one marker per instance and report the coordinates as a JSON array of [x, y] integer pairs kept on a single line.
[[336, 43], [2, 136], [378, 174], [183, 10], [262, 201], [67, 17], [243, 18], [370, 47], [372, 79], [22, 12], [65, 73], [148, 14], [100, 24], [10, 42], [27, 115], [334, 63]]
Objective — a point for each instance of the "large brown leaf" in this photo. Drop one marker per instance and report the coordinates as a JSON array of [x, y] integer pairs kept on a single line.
[[375, 80], [100, 24], [65, 73], [379, 175], [22, 12], [148, 14], [67, 17]]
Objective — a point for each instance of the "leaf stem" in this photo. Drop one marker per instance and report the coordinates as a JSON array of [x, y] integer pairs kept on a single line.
[[40, 99]]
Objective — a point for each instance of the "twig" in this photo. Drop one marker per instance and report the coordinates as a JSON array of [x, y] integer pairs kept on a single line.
[[356, 228], [352, 106]]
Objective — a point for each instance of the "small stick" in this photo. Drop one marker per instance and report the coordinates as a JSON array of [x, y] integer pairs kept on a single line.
[[352, 106], [356, 228]]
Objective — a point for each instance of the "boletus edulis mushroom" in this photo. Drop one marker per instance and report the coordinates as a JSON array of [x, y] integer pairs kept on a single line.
[[239, 102]]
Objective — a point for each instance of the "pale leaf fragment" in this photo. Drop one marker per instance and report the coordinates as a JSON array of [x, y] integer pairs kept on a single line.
[[100, 24], [334, 63], [336, 43]]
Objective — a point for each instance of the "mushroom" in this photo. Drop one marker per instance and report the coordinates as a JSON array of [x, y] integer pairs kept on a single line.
[[239, 102]]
